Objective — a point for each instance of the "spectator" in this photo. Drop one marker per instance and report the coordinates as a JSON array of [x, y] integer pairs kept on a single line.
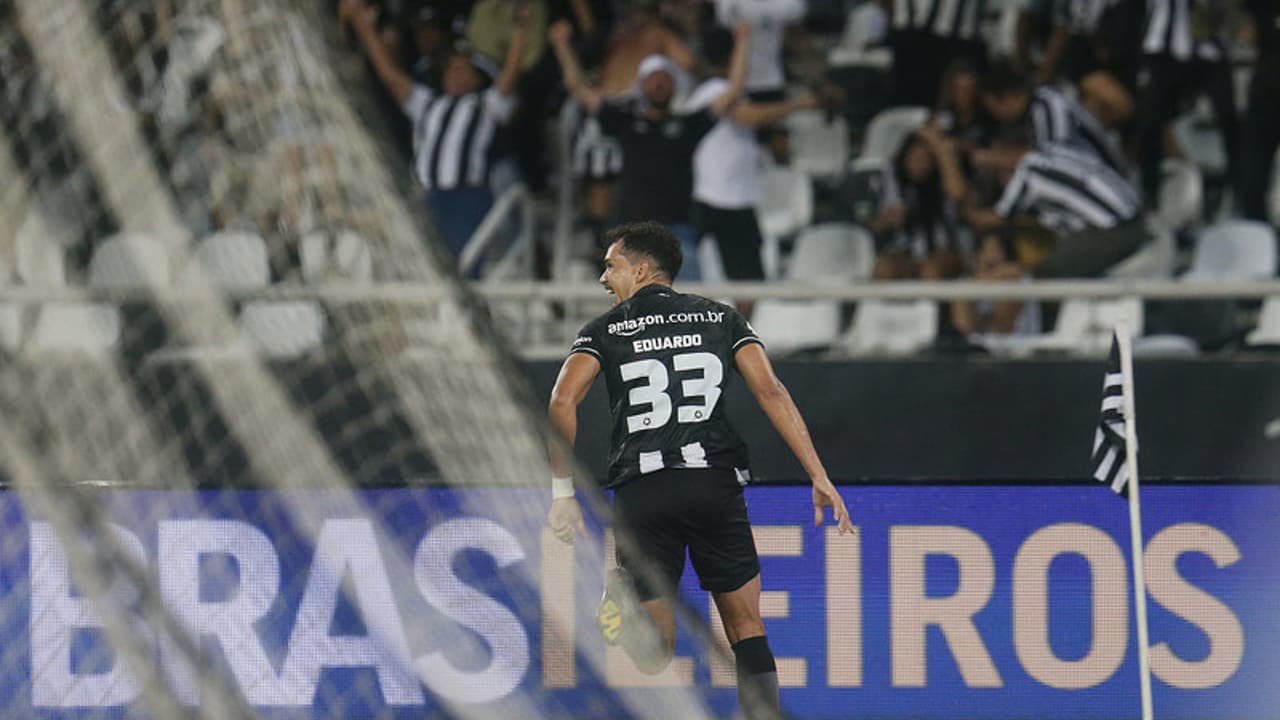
[[726, 188], [454, 127], [995, 262], [919, 222], [958, 114], [1070, 48], [657, 177], [766, 80], [1182, 51], [927, 34], [597, 154], [1261, 131], [1050, 116], [1094, 211]]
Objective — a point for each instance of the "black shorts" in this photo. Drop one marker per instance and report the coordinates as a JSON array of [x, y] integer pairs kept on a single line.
[[701, 509], [737, 236]]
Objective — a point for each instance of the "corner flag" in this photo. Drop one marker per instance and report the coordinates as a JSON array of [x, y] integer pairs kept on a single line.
[[1110, 461], [1115, 463]]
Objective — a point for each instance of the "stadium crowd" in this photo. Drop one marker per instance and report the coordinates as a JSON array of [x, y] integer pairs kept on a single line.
[[1041, 153]]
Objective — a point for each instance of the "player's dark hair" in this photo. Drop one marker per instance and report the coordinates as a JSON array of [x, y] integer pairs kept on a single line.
[[651, 240], [1004, 79]]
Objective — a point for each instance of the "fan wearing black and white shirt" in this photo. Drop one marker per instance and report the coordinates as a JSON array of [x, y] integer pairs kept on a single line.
[[726, 187], [1094, 211], [1049, 115], [1183, 51], [453, 128], [657, 176]]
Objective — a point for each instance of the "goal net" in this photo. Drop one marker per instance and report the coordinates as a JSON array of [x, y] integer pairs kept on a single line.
[[262, 455]]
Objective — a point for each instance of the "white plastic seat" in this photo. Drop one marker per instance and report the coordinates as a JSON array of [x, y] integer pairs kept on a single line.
[[786, 201], [1165, 346], [1268, 330], [1181, 194], [818, 148], [889, 128], [283, 329], [41, 261], [342, 255], [1085, 326], [129, 260], [792, 325], [75, 327], [1234, 250], [1197, 134], [893, 327], [833, 253], [231, 259]]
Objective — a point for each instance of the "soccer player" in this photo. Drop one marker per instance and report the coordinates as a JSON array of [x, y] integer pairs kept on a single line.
[[677, 467]]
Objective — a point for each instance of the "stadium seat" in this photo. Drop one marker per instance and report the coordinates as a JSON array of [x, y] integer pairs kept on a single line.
[[1181, 194], [41, 262], [75, 327], [283, 329], [343, 255], [1197, 134], [831, 253], [1234, 250], [232, 260], [887, 130], [864, 26], [819, 148], [786, 201], [786, 205], [129, 260], [837, 252], [1084, 326], [893, 327], [1165, 346], [1153, 261], [1268, 330]]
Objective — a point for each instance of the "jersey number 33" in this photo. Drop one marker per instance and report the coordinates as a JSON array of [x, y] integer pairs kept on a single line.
[[699, 374]]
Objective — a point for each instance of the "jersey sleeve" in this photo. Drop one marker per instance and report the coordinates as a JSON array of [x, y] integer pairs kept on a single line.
[[589, 341], [1014, 197], [701, 122], [741, 333], [416, 104], [612, 117]]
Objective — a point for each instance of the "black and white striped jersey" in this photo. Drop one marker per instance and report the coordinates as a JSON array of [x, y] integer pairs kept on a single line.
[[1183, 29], [452, 135], [666, 358], [1080, 17], [1069, 191], [961, 19], [1055, 118]]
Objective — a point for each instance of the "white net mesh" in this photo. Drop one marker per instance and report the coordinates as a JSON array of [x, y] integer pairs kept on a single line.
[[262, 455]]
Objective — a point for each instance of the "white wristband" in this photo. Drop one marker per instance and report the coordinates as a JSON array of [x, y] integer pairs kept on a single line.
[[561, 487]]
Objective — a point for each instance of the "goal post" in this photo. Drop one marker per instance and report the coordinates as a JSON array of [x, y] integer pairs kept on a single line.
[[240, 480]]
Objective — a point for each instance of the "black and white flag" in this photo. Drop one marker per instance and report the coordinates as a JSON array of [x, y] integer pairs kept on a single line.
[[1110, 462]]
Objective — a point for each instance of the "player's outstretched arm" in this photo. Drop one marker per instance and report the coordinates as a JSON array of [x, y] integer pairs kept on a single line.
[[576, 376], [777, 404]]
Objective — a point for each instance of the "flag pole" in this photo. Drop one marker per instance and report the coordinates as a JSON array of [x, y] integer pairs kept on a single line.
[[1125, 341]]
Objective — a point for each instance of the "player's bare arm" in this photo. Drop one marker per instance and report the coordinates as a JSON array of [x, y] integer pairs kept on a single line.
[[777, 404], [576, 376], [363, 18], [560, 35]]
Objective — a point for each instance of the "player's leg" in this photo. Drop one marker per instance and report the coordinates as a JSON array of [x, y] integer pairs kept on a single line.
[[757, 672], [637, 612], [723, 551]]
